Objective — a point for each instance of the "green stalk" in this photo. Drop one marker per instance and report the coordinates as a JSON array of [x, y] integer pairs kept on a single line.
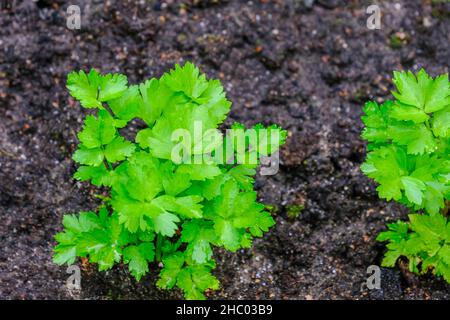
[[159, 241]]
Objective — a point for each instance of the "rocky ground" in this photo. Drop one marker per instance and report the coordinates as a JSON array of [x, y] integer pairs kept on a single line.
[[306, 65]]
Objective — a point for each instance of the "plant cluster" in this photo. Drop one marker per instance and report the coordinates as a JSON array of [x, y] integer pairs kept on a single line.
[[408, 156], [158, 210]]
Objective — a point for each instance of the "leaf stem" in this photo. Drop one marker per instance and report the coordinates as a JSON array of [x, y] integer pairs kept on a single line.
[[107, 108], [105, 161], [159, 241], [427, 124]]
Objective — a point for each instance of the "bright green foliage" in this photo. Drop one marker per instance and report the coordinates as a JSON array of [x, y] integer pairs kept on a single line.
[[425, 241], [99, 236], [93, 89], [160, 210], [409, 158], [193, 279]]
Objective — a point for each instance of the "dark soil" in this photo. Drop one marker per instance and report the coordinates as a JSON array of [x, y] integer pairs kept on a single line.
[[307, 68]]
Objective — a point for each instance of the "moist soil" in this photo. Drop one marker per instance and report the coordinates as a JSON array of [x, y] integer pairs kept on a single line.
[[308, 66]]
